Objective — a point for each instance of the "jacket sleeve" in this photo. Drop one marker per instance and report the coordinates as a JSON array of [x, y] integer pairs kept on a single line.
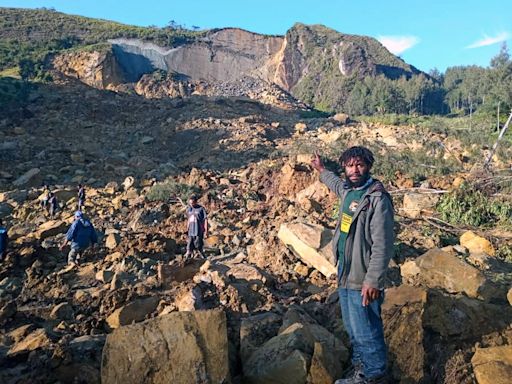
[[71, 232], [333, 182], [382, 249]]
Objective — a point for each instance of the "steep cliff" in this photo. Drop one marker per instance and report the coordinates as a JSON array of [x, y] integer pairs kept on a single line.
[[314, 64], [99, 69], [318, 65], [222, 55]]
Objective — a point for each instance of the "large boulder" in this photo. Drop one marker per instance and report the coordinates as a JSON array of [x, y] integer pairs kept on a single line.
[[64, 195], [493, 365], [31, 178], [51, 228], [256, 330], [135, 311], [439, 269], [288, 356], [311, 243], [402, 314], [282, 359], [178, 348]]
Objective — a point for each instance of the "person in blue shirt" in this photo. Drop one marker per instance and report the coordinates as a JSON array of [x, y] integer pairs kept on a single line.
[[81, 234], [3, 240]]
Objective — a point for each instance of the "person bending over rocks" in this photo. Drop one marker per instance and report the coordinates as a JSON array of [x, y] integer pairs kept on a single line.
[[362, 247], [81, 235], [197, 227]]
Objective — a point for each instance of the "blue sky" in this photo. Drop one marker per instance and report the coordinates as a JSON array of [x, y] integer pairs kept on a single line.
[[426, 34]]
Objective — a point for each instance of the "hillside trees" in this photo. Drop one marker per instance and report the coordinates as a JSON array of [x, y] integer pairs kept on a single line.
[[470, 88]]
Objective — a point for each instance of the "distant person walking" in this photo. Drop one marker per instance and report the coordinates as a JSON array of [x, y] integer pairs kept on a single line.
[[81, 197], [46, 197], [81, 235], [53, 204], [197, 227], [3, 241]]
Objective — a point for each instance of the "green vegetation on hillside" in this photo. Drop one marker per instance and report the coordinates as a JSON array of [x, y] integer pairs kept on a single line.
[[27, 34], [470, 206], [374, 82]]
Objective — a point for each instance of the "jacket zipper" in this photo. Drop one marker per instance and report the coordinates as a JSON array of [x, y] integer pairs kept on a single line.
[[344, 276]]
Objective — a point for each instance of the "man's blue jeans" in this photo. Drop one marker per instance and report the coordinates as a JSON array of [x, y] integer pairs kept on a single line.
[[364, 327]]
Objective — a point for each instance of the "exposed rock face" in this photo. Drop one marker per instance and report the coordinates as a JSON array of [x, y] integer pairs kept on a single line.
[[151, 352], [229, 55], [226, 54], [97, 69]]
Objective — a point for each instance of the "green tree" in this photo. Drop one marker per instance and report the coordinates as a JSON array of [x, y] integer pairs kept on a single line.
[[27, 69]]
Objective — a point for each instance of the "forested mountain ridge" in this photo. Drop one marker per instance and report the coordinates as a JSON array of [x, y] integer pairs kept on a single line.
[[328, 70]]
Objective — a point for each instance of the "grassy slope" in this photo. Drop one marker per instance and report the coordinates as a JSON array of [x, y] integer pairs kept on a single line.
[[32, 33]]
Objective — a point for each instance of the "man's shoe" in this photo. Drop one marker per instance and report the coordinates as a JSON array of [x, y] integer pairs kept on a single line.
[[354, 376]]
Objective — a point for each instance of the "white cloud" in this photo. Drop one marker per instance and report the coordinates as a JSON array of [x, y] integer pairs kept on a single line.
[[488, 40], [398, 44]]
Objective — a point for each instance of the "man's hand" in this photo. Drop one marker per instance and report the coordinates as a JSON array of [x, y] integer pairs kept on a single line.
[[205, 235], [369, 294], [316, 162]]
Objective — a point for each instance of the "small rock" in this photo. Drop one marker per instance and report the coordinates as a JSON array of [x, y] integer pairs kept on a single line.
[[62, 311], [300, 128], [104, 276], [112, 240], [301, 269]]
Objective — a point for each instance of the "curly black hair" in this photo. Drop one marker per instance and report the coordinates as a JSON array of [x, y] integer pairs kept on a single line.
[[357, 152]]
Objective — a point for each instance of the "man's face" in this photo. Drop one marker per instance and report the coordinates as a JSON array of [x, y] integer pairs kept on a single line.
[[357, 171], [192, 202]]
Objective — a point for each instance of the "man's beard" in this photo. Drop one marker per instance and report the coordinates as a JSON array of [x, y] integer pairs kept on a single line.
[[364, 178]]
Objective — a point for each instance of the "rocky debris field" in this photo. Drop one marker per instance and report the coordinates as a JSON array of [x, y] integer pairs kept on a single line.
[[263, 306]]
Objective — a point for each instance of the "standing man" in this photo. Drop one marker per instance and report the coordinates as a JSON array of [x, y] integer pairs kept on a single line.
[[81, 234], [46, 197], [53, 204], [197, 227], [81, 196], [363, 246], [4, 239]]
